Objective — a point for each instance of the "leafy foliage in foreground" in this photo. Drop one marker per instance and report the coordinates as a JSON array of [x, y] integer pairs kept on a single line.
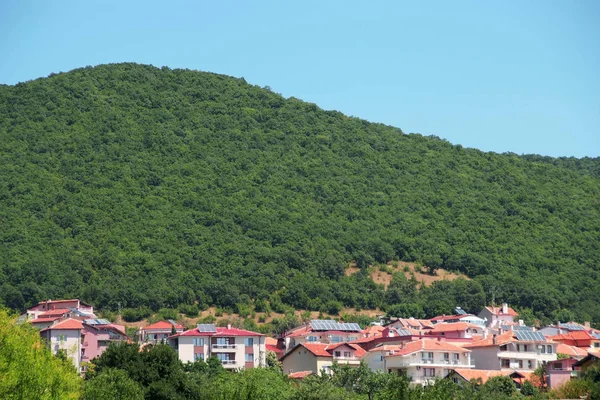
[[155, 187], [209, 380], [27, 368]]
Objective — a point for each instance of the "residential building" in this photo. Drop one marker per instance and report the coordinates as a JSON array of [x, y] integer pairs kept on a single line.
[[74, 305], [559, 372], [497, 316], [82, 341], [422, 360], [456, 330], [159, 331], [319, 357], [322, 331], [581, 339], [235, 348], [513, 350], [462, 376]]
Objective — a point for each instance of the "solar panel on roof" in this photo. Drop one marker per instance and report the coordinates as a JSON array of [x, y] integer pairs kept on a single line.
[[572, 327], [516, 328], [530, 336], [103, 321], [459, 311], [206, 328], [403, 332], [596, 335]]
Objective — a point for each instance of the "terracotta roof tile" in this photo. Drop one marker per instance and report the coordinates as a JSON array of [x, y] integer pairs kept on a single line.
[[58, 311], [453, 327], [572, 351], [163, 325], [299, 374], [429, 345], [483, 374], [498, 311], [67, 324]]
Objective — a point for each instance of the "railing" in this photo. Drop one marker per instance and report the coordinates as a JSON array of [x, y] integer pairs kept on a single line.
[[225, 346], [427, 360], [227, 362], [346, 358]]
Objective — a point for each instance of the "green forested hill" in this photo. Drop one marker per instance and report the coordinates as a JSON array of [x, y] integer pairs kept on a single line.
[[145, 186]]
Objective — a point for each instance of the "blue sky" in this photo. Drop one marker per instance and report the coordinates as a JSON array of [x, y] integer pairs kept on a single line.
[[519, 76]]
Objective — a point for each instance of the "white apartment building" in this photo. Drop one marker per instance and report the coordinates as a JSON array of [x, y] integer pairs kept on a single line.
[[235, 348], [422, 360]]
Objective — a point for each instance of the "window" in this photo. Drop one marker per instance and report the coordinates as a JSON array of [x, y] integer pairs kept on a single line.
[[542, 349], [529, 364], [312, 339], [427, 357], [503, 347], [337, 353], [429, 372], [381, 357], [525, 347], [521, 364], [250, 357], [446, 356], [456, 356], [347, 354], [337, 339], [597, 344], [198, 341], [518, 347], [505, 363], [249, 342], [198, 356], [549, 349]]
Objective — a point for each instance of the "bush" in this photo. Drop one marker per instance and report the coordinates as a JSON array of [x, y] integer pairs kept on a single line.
[[190, 311], [135, 314]]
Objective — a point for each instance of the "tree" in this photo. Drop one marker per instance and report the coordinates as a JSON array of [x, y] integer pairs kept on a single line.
[[27, 368], [500, 385], [528, 389], [112, 384]]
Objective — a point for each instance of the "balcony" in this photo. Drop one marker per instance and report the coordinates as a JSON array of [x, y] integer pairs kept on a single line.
[[347, 360], [393, 362], [224, 347], [229, 363]]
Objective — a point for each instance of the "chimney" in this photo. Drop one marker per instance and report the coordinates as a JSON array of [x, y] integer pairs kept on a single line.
[[228, 326], [586, 325], [485, 333], [494, 339], [558, 326], [521, 323], [504, 308]]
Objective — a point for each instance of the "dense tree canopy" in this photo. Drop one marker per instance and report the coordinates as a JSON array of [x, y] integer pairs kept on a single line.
[[155, 187]]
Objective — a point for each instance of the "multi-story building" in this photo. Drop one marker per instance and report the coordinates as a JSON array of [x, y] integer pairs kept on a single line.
[[159, 331], [498, 316], [322, 331], [422, 360], [522, 350], [82, 341], [235, 348], [75, 306], [319, 357]]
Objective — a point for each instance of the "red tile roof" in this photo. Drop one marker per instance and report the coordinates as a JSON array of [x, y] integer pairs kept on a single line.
[[57, 311], [299, 374], [274, 349], [220, 332], [429, 345], [572, 351], [498, 311], [163, 325], [453, 327], [66, 324], [483, 374], [504, 338], [575, 335], [43, 320], [326, 350]]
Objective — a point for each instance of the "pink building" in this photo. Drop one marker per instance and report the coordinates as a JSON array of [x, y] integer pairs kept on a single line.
[[82, 341], [75, 306], [560, 372]]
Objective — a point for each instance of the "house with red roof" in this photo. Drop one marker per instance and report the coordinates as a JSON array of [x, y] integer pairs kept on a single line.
[[455, 330], [82, 341], [581, 339], [517, 350], [422, 360], [159, 331], [77, 307], [497, 316], [235, 348], [319, 357], [322, 331]]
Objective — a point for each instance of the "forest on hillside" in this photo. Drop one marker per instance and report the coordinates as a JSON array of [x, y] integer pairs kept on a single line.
[[131, 185]]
